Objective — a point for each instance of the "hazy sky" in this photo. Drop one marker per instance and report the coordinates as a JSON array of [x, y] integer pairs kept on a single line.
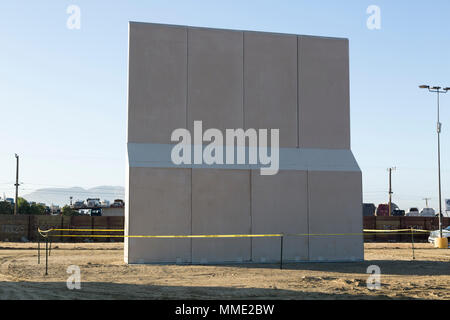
[[63, 92]]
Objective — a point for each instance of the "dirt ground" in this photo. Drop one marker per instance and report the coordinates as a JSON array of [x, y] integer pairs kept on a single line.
[[104, 275]]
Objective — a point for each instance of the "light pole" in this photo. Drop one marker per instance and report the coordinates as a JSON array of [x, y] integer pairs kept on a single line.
[[390, 189], [439, 127]]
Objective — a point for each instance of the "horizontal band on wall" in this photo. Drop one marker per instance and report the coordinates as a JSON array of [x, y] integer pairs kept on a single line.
[[150, 155]]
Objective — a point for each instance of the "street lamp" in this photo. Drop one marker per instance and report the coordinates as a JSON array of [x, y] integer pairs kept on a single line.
[[438, 90]]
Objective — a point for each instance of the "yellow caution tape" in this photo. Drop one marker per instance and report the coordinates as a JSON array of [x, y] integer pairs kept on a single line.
[[216, 236], [171, 236], [86, 230], [44, 233], [394, 231]]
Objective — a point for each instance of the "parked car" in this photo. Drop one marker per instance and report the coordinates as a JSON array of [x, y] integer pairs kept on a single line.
[[369, 209], [383, 209], [427, 212], [78, 204], [413, 212], [93, 202], [435, 234], [398, 213], [97, 212], [118, 203]]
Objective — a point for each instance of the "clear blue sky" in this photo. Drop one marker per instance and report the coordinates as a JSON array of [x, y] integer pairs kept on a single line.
[[63, 92]]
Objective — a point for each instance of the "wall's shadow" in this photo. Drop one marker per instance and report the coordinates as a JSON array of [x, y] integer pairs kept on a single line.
[[108, 291], [392, 267]]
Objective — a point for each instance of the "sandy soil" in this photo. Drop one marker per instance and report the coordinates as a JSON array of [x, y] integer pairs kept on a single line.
[[105, 276]]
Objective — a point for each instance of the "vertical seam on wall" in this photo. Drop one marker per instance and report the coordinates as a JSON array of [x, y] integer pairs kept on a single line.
[[191, 216], [243, 80], [307, 212], [187, 75], [251, 217], [298, 99], [243, 122], [348, 97], [187, 113]]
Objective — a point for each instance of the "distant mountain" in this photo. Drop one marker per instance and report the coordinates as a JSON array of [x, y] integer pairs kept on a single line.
[[61, 196]]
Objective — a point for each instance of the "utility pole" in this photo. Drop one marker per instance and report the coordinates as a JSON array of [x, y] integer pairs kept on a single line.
[[17, 184], [390, 189], [426, 201]]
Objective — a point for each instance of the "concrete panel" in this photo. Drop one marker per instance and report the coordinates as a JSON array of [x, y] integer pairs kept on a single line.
[[280, 205], [270, 84], [335, 205], [215, 77], [324, 114], [157, 82], [220, 205], [160, 204]]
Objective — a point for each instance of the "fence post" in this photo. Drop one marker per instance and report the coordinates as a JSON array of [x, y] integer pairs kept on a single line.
[[412, 241], [39, 250], [62, 227], [281, 252], [108, 227], [92, 227], [46, 256]]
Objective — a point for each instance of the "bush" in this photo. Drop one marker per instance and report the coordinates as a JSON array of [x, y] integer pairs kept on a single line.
[[6, 208], [68, 211]]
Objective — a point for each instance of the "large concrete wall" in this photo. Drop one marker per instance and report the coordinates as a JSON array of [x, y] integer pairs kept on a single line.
[[240, 79]]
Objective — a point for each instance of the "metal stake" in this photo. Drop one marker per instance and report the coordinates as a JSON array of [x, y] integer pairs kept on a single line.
[[281, 252], [46, 257]]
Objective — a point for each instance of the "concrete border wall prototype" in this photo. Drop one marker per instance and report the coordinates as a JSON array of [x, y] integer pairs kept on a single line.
[[240, 79]]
